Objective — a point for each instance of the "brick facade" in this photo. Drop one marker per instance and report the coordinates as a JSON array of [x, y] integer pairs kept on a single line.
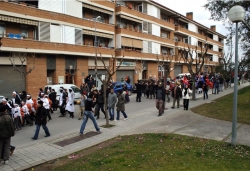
[[38, 77]]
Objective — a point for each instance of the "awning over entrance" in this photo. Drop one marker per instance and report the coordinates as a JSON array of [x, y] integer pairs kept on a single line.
[[99, 34], [97, 9], [131, 18], [18, 20]]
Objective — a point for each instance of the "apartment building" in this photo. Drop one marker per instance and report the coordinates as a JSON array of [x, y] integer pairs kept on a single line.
[[62, 35]]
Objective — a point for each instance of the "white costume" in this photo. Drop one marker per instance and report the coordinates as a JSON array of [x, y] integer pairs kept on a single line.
[[70, 102]]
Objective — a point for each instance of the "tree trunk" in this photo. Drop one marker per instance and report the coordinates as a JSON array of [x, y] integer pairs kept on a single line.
[[105, 103], [193, 88], [24, 82]]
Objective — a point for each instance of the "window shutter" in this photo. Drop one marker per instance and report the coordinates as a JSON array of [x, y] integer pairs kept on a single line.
[[69, 35], [149, 47], [78, 37], [44, 31], [145, 26], [55, 33], [145, 46], [150, 28], [144, 8]]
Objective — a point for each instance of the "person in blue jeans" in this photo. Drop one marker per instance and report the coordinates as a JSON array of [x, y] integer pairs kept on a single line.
[[89, 104], [41, 120], [121, 106], [112, 98]]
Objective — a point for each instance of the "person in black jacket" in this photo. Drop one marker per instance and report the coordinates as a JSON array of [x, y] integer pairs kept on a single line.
[[138, 91], [160, 98], [6, 132], [52, 97], [100, 104], [41, 120], [89, 104]]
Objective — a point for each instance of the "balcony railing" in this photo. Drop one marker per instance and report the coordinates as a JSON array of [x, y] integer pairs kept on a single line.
[[139, 14], [51, 46], [142, 35]]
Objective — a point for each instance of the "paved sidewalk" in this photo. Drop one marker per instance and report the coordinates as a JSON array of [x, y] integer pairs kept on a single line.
[[146, 121]]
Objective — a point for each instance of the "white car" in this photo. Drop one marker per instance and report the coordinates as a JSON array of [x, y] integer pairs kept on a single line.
[[76, 90], [1, 97]]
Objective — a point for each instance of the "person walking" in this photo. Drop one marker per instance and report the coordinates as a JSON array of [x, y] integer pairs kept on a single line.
[[70, 103], [205, 90], [100, 104], [138, 91], [41, 120], [160, 98], [82, 105], [186, 96], [89, 104], [120, 106], [168, 90], [176, 94], [46, 104], [6, 132], [112, 98], [62, 102]]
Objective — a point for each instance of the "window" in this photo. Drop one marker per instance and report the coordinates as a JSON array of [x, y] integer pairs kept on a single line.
[[76, 89], [24, 31], [2, 30]]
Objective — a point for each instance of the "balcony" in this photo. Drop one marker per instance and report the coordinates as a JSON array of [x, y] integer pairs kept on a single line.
[[135, 54], [44, 47], [141, 35], [106, 3], [28, 11], [215, 42], [185, 45], [185, 31], [129, 12]]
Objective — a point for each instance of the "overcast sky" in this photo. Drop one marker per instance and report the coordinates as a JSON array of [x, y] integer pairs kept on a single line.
[[199, 13]]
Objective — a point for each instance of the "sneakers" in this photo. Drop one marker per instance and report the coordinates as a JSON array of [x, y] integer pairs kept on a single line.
[[1, 162], [46, 135], [100, 131], [6, 162], [125, 119], [115, 120], [82, 133]]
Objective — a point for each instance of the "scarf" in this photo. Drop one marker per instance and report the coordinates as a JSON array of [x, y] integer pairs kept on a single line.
[[185, 92]]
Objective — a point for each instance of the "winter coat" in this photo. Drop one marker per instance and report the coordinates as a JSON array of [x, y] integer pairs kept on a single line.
[[6, 125], [176, 93], [70, 103], [188, 95], [163, 93], [41, 116], [120, 106], [100, 99], [112, 100]]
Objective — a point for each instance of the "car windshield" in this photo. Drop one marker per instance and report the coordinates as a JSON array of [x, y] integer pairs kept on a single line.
[[76, 89]]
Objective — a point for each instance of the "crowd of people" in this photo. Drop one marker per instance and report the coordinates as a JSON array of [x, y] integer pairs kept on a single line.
[[23, 110]]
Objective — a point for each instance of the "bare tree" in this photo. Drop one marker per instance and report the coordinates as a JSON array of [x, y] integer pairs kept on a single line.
[[72, 70], [22, 69], [194, 56], [139, 65], [171, 59], [110, 71]]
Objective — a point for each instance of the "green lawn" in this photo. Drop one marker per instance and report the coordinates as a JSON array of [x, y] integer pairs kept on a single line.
[[222, 108], [158, 152]]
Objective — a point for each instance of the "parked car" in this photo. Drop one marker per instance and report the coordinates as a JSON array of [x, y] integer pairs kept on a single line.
[[76, 90], [119, 86]]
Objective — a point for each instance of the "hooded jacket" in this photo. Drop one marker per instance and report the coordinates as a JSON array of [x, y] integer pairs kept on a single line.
[[6, 125]]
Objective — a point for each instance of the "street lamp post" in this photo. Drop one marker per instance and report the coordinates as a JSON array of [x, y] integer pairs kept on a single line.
[[236, 14], [95, 44]]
